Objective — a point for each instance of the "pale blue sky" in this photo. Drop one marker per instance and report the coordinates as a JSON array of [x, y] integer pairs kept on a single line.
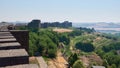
[[60, 10]]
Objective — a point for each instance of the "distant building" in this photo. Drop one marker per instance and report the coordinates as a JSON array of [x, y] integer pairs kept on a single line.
[[37, 24], [45, 24], [34, 24], [64, 24], [67, 24]]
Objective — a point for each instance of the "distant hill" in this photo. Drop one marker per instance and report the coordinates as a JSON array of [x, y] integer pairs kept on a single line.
[[101, 26], [98, 25]]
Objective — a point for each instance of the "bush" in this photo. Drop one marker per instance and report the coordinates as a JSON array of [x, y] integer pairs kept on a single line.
[[72, 59], [78, 64], [52, 53], [86, 47]]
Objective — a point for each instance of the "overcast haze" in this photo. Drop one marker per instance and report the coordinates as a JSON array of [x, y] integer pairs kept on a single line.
[[60, 10]]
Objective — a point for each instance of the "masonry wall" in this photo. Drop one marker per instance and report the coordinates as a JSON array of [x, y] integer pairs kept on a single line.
[[22, 36], [8, 61]]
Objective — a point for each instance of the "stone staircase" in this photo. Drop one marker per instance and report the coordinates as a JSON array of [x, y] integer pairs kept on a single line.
[[10, 45], [12, 54]]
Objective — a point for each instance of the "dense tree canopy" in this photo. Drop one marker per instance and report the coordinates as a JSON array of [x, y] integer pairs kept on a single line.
[[84, 46], [75, 33], [64, 38], [112, 46], [41, 43]]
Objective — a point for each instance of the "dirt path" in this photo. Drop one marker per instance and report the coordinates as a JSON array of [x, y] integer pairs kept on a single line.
[[71, 45], [59, 62]]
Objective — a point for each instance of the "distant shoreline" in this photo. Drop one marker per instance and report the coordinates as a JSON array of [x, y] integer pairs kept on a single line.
[[112, 29]]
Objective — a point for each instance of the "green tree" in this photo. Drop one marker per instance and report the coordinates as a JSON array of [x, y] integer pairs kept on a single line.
[[75, 33], [64, 38], [42, 46], [78, 64], [72, 59], [32, 49], [100, 52], [112, 46], [113, 66], [87, 47], [41, 43]]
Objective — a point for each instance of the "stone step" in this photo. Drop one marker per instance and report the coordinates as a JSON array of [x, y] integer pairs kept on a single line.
[[11, 45], [23, 66], [13, 57], [6, 37], [41, 62], [5, 34], [7, 40]]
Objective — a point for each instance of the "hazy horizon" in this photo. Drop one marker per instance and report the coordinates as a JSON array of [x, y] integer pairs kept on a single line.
[[58, 21], [62, 10]]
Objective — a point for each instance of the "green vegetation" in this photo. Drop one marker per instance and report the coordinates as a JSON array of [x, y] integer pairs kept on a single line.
[[81, 42], [78, 64], [64, 38], [105, 45], [43, 42], [109, 53], [86, 47], [112, 46], [72, 59]]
